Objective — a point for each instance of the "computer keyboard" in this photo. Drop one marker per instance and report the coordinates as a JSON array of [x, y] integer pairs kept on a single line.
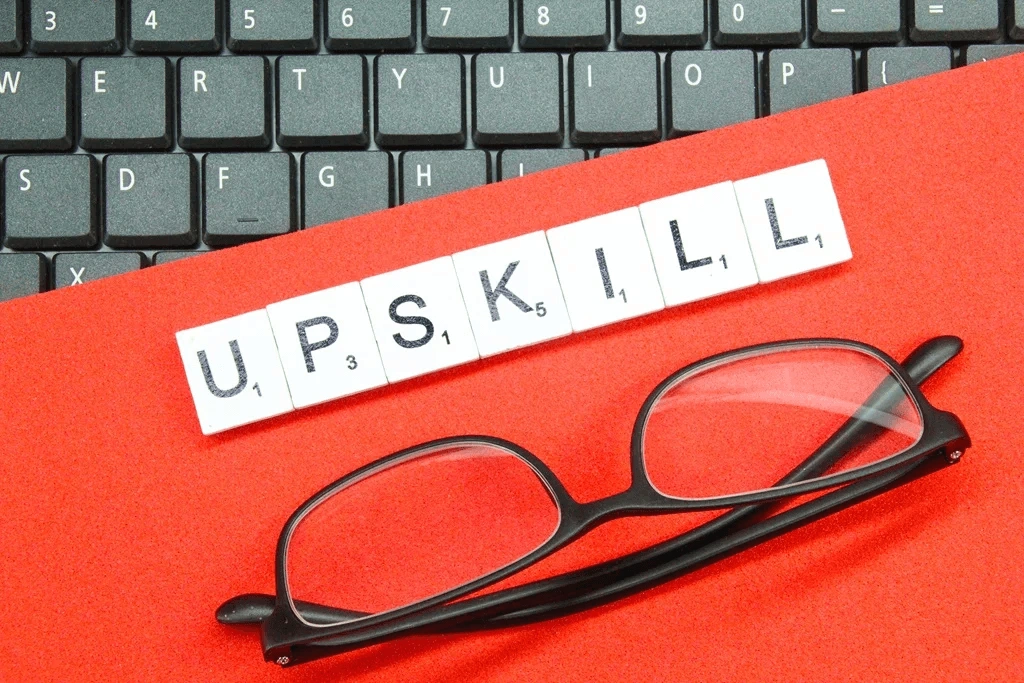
[[137, 132]]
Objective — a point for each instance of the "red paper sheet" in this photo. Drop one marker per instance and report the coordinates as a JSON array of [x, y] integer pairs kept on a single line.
[[123, 528]]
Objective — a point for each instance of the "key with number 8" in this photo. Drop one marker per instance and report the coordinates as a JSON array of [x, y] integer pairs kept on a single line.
[[564, 24]]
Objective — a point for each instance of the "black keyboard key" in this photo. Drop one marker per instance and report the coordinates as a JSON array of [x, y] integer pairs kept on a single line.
[[247, 197], [857, 21], [70, 270], [419, 100], [468, 24], [223, 102], [570, 24], [322, 101], [174, 26], [1016, 11], [661, 23], [949, 20], [430, 174], [272, 25], [76, 26], [615, 97], [35, 106], [21, 275], [126, 103], [370, 25], [760, 22], [710, 89], [340, 185], [797, 78], [983, 53], [162, 257], [608, 151], [10, 30], [50, 202], [515, 163], [517, 99], [151, 201], [888, 65]]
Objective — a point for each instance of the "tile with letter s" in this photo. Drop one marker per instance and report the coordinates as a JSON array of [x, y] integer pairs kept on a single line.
[[234, 372], [326, 345], [698, 243], [512, 294], [419, 319], [793, 221], [604, 266]]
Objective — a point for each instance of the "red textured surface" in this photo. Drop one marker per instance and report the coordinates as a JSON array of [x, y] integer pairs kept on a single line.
[[123, 527]]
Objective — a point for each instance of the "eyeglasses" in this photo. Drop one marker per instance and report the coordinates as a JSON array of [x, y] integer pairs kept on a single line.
[[405, 544]]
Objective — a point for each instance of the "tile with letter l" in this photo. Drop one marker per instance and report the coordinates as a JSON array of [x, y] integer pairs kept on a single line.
[[234, 372], [326, 345], [419, 319], [605, 268], [698, 243], [512, 294], [792, 220]]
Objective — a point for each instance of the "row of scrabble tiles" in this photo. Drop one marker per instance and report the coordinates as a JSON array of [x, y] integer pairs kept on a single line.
[[510, 294]]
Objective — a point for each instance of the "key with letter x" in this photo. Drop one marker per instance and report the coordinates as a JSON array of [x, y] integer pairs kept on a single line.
[[77, 269]]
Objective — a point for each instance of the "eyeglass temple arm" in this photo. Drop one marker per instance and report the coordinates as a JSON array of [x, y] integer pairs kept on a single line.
[[253, 608]]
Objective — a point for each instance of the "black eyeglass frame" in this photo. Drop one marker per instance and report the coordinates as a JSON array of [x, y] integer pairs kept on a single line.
[[284, 628]]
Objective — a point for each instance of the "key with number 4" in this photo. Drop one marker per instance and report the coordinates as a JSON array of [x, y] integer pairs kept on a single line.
[[188, 26]]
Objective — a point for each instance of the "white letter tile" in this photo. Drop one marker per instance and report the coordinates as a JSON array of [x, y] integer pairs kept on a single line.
[[234, 372], [326, 345], [419, 319], [793, 221], [699, 245], [605, 269], [512, 294]]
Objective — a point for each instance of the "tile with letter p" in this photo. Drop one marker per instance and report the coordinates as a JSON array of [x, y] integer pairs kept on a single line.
[[419, 319], [234, 372], [512, 294], [792, 220], [326, 345], [698, 243], [605, 268]]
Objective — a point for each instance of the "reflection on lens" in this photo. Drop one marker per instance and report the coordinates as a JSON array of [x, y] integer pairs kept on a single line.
[[743, 424], [418, 527]]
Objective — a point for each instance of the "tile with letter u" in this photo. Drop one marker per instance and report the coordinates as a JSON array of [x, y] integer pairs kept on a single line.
[[234, 372]]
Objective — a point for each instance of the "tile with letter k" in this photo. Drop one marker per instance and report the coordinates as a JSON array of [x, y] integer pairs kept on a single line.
[[512, 294]]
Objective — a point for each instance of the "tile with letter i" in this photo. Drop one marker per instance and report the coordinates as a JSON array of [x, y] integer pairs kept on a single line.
[[512, 294], [234, 372], [419, 319], [792, 220], [698, 243], [326, 345], [605, 269]]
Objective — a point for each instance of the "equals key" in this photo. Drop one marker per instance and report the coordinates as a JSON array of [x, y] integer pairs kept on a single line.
[[857, 21], [247, 197]]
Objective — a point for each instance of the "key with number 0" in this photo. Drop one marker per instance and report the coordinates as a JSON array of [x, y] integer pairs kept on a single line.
[[760, 22]]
